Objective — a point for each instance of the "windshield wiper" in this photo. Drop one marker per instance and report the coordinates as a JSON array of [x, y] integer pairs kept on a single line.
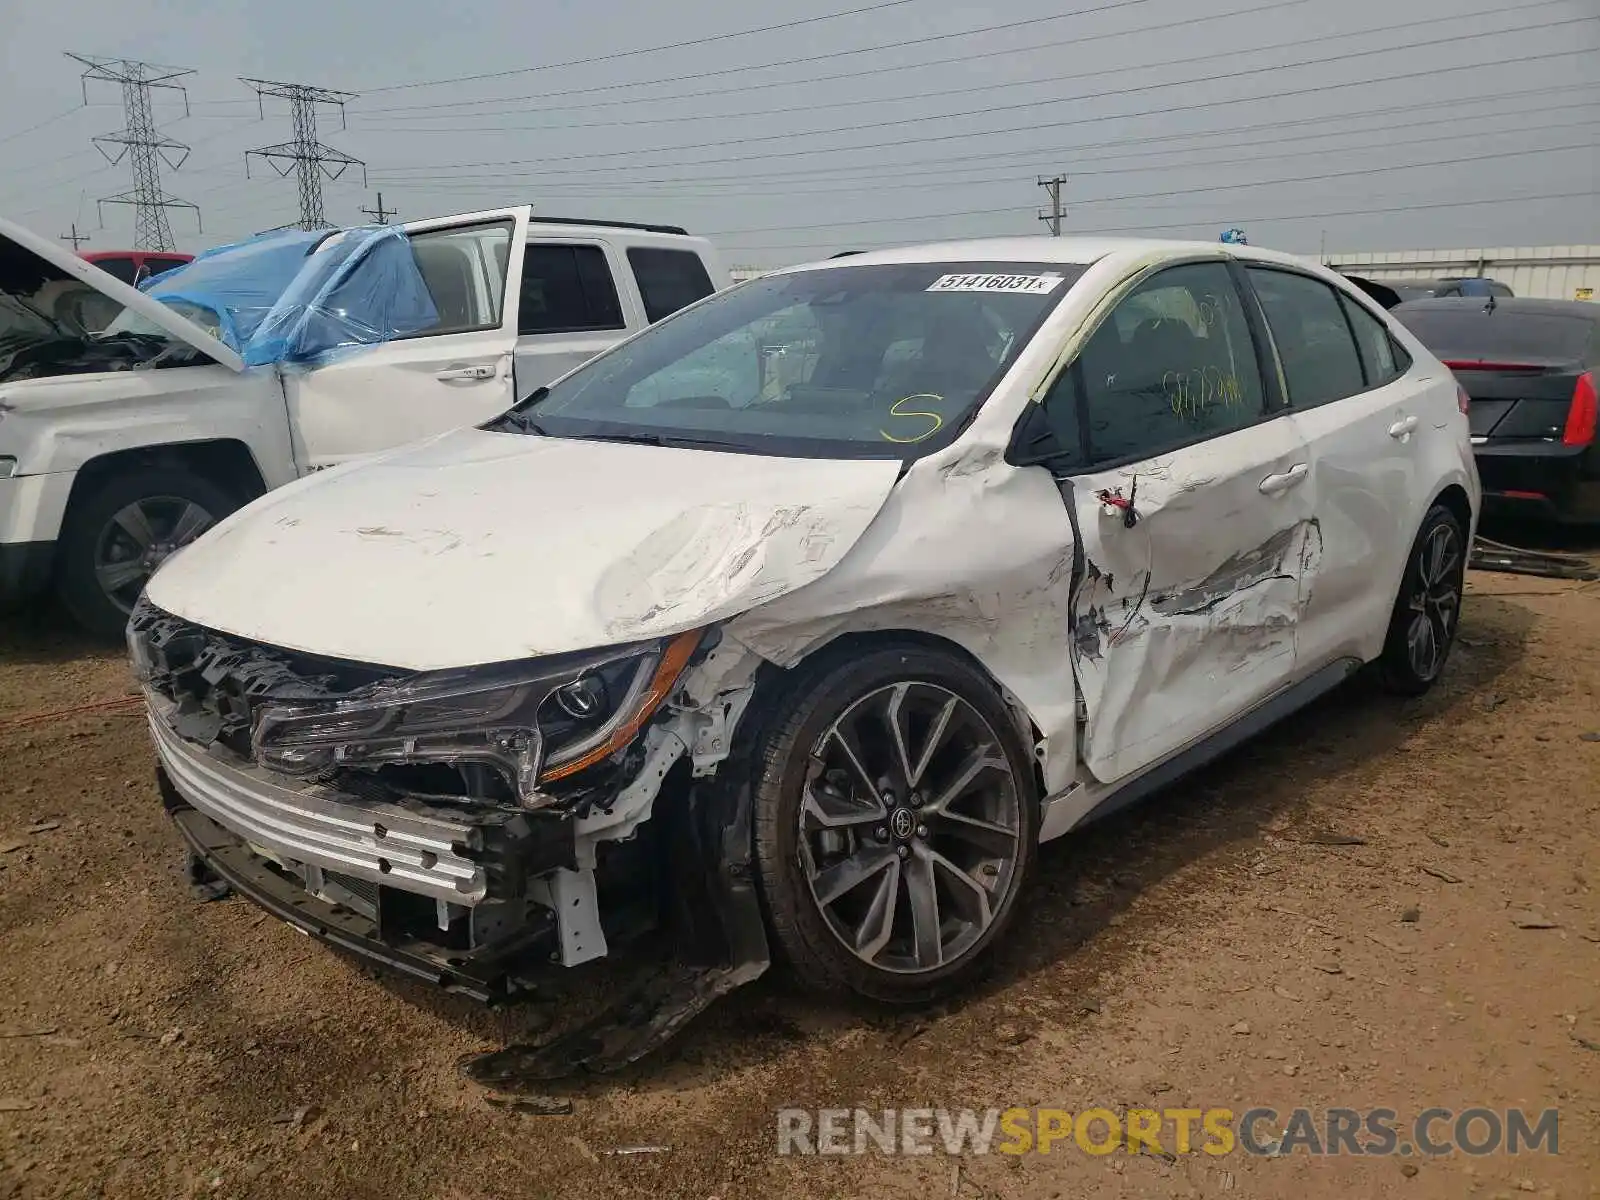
[[666, 440], [516, 419]]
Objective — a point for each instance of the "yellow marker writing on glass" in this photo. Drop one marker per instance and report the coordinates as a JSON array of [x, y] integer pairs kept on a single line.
[[896, 411]]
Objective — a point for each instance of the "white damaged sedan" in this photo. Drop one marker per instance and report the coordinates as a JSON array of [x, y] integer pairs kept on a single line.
[[789, 627]]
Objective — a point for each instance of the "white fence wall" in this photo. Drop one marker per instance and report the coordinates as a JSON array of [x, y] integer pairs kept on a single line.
[[1545, 272]]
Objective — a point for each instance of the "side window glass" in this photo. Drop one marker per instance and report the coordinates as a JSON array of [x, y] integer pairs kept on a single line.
[[1378, 351], [1062, 410], [566, 289], [668, 280], [118, 268], [1320, 362], [1172, 364], [464, 270]]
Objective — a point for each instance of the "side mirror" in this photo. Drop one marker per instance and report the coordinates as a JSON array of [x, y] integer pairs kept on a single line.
[[1034, 442]]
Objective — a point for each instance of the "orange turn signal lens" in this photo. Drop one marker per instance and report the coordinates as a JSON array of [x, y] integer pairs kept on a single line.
[[673, 661]]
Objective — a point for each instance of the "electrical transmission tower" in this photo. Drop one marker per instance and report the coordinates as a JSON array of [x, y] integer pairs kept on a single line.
[[1053, 217], [139, 142], [306, 156]]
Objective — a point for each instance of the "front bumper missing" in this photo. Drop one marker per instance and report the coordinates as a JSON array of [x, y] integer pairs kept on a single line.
[[380, 843], [486, 980]]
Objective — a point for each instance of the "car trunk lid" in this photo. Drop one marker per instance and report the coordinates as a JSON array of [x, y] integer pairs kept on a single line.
[[1525, 399]]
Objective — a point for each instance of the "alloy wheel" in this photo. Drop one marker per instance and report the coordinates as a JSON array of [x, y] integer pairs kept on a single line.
[[139, 538], [1435, 604], [910, 827]]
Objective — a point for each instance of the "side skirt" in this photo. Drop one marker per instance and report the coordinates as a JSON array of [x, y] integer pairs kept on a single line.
[[1080, 805]]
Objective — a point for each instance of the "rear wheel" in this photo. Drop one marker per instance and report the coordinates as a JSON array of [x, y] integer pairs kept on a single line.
[[115, 537], [896, 824], [1428, 609]]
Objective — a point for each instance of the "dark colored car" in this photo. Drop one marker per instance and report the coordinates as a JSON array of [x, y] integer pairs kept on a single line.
[[1531, 369], [1448, 285]]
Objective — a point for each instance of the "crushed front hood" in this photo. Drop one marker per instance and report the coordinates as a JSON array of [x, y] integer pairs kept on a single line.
[[30, 264], [482, 547]]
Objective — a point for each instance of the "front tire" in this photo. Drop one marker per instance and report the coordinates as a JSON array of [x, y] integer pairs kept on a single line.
[[116, 536], [896, 821], [1427, 611]]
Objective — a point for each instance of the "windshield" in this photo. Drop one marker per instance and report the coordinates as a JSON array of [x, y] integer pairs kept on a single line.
[[1475, 333], [129, 321], [863, 361]]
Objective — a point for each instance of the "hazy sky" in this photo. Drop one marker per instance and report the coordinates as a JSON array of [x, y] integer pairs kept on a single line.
[[1370, 123]]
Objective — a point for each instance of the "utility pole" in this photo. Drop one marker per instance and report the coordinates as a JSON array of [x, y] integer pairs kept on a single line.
[[140, 144], [1053, 217], [381, 215], [74, 237], [306, 156]]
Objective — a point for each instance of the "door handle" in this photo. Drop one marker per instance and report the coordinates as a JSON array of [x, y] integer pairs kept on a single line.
[[465, 374], [1403, 428], [1272, 485]]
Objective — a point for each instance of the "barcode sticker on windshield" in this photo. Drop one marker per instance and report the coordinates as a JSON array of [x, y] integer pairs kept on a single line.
[[1029, 285]]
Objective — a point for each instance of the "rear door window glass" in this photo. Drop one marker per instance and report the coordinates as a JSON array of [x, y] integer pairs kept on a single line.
[[118, 268], [668, 279], [567, 288], [1318, 353], [1381, 359]]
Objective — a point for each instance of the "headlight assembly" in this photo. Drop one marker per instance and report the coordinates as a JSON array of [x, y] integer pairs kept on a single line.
[[533, 723]]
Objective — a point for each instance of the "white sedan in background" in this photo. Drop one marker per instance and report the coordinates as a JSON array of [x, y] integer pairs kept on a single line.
[[798, 620]]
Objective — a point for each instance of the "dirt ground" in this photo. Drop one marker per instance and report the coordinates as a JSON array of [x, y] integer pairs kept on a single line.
[[1377, 904]]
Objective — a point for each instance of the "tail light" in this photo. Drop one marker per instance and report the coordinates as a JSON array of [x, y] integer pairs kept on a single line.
[[1463, 401], [1581, 415]]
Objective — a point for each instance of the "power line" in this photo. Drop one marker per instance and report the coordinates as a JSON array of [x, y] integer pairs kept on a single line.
[[758, 187], [1233, 53], [140, 143], [11, 137], [309, 158], [1031, 127], [875, 71], [1186, 191], [1366, 210], [846, 174], [620, 54]]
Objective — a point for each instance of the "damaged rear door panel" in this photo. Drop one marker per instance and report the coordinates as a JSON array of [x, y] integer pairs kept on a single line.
[[1197, 537], [1366, 417]]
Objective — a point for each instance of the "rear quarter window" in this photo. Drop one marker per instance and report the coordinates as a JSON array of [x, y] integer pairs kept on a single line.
[[668, 280], [117, 268]]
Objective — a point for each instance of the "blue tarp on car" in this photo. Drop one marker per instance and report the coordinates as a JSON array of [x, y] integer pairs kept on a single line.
[[298, 299]]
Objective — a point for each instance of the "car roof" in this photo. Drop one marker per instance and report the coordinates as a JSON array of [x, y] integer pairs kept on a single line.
[[1523, 304], [1068, 251]]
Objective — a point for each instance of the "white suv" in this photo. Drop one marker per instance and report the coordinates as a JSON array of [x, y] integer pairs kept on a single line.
[[812, 609], [117, 447]]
